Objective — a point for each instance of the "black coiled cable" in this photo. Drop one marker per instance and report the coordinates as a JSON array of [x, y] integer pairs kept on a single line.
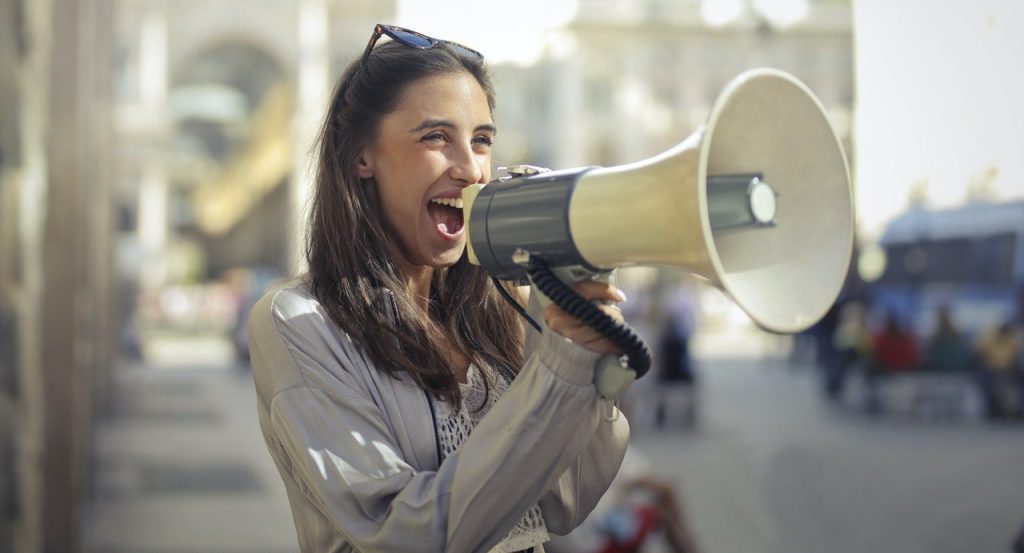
[[565, 297]]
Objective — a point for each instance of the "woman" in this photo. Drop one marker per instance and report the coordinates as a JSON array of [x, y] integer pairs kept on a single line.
[[395, 392]]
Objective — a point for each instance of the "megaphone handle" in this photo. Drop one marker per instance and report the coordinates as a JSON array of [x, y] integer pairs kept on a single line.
[[621, 334]]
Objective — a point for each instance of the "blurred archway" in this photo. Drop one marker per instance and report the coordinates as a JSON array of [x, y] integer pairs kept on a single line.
[[231, 105]]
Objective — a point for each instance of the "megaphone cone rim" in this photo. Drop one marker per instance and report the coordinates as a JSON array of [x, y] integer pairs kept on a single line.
[[724, 99]]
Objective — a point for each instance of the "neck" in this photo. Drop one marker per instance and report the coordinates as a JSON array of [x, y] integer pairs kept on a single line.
[[417, 283]]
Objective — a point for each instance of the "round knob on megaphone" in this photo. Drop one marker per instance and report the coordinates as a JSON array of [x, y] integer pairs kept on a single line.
[[758, 202]]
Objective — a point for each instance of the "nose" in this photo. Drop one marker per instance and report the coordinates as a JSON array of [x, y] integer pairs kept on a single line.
[[467, 166]]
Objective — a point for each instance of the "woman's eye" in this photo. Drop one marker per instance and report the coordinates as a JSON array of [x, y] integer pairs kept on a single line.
[[434, 137], [483, 140]]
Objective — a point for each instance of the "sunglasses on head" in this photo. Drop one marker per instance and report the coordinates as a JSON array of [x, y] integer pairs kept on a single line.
[[413, 39]]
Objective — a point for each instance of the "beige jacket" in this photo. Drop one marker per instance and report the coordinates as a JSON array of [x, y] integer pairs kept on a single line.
[[357, 449]]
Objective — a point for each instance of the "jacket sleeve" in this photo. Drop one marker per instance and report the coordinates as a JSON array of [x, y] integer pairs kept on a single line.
[[575, 494], [342, 450], [581, 486]]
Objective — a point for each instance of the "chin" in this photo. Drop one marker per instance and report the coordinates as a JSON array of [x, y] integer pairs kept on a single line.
[[443, 262], [448, 258]]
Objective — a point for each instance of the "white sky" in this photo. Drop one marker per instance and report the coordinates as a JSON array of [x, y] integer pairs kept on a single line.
[[940, 98], [509, 31]]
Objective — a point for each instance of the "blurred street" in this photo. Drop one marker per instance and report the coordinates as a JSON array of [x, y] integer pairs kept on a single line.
[[774, 469], [770, 468], [180, 463]]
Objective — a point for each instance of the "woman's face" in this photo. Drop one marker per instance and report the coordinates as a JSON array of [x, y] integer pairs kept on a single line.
[[434, 144]]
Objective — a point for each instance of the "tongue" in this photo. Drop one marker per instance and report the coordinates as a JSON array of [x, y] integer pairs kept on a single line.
[[447, 219]]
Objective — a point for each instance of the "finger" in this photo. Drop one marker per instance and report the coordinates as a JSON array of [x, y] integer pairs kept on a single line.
[[595, 290], [573, 330], [601, 344], [565, 325], [580, 334], [595, 342], [613, 311], [553, 311]]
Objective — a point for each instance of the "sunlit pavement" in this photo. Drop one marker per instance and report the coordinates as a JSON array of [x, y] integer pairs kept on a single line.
[[181, 466]]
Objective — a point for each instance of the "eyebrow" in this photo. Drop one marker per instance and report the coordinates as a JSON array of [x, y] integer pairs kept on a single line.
[[432, 123]]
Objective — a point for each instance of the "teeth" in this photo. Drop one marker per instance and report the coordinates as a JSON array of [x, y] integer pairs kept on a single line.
[[450, 202]]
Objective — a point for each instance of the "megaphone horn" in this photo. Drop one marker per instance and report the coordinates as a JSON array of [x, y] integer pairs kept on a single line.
[[757, 202]]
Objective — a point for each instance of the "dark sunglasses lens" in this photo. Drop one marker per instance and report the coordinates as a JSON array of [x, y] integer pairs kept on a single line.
[[411, 39], [463, 51]]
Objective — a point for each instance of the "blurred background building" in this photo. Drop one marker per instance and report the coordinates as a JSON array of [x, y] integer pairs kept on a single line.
[[155, 158]]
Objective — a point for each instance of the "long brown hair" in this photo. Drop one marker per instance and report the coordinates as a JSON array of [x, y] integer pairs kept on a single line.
[[352, 256]]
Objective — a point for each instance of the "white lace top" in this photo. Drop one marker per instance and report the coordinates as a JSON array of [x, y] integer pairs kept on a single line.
[[454, 426]]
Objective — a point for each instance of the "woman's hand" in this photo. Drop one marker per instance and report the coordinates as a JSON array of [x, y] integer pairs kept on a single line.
[[565, 324]]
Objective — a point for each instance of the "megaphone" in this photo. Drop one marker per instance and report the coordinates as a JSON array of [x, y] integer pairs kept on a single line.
[[757, 202]]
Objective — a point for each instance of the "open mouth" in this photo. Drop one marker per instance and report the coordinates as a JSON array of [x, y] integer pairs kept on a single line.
[[446, 214]]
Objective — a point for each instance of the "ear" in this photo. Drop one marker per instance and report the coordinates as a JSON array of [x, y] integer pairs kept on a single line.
[[366, 166]]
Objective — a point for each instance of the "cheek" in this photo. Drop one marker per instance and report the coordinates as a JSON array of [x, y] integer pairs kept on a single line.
[[485, 167], [400, 207], [389, 198]]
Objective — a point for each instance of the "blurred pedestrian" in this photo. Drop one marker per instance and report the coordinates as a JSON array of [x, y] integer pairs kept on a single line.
[[894, 350], [947, 350], [825, 354], [999, 356], [1018, 542], [675, 372], [852, 343], [395, 391]]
